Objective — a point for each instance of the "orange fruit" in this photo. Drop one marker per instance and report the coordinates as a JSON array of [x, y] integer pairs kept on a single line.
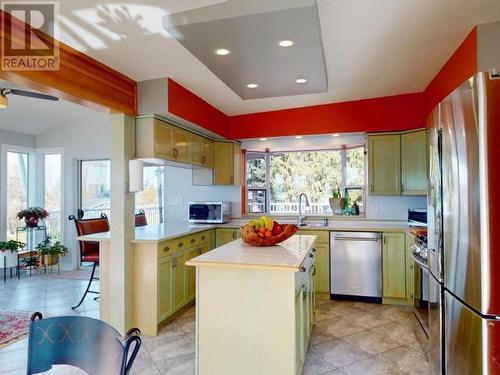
[[268, 234]]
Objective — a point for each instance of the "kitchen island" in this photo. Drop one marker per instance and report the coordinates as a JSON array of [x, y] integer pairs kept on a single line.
[[255, 307]]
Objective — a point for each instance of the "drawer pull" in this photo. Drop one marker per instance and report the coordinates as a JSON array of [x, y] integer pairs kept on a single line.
[[203, 238], [311, 255], [302, 269], [180, 244], [193, 240], [166, 248]]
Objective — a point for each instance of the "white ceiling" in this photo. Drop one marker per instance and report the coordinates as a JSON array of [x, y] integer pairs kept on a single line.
[[372, 48], [36, 116]]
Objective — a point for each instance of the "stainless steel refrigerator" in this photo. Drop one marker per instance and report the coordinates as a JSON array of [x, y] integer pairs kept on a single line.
[[464, 229]]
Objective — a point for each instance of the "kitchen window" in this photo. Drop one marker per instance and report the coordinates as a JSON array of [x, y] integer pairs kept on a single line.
[[274, 180]]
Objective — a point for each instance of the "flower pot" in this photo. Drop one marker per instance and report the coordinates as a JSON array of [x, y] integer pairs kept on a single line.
[[50, 259], [32, 221]]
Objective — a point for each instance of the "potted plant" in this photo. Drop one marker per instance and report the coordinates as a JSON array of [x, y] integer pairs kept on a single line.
[[8, 250], [50, 252], [32, 215]]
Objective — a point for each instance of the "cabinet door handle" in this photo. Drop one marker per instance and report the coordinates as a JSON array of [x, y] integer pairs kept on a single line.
[[311, 255], [302, 269], [166, 248], [314, 271], [193, 240], [203, 238], [176, 153], [180, 244]]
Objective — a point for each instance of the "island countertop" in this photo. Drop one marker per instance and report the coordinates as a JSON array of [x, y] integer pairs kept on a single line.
[[288, 255]]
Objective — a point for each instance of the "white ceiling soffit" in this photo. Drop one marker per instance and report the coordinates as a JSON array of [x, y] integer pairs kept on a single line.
[[35, 116], [255, 57], [372, 48], [306, 143]]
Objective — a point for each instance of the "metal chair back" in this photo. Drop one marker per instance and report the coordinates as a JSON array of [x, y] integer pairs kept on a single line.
[[86, 343]]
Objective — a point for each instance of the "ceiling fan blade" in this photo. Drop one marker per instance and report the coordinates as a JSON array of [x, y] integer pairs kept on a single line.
[[32, 94]]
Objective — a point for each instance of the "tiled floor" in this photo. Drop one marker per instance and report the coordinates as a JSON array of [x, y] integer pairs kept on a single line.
[[349, 337]]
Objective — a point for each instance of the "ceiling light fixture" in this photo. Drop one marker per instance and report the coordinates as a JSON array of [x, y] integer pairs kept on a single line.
[[300, 80], [335, 135], [285, 43], [222, 51], [252, 85], [298, 137], [263, 139]]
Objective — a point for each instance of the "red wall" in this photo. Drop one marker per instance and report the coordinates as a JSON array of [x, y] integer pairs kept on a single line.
[[185, 104], [461, 66], [380, 114]]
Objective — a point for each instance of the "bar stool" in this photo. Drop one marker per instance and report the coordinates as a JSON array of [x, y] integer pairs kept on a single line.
[[140, 219], [89, 250]]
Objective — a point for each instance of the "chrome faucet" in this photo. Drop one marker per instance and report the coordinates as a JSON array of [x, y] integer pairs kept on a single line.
[[300, 208]]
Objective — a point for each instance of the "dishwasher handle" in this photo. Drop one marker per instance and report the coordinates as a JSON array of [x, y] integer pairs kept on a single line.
[[368, 239]]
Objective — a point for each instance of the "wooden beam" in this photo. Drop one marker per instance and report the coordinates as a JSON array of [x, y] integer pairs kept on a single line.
[[79, 79]]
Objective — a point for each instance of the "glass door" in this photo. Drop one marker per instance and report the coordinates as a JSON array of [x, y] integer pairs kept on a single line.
[[95, 188], [53, 194], [17, 192]]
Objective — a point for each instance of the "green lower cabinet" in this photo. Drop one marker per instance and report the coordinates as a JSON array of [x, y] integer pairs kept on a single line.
[[191, 274], [179, 279], [298, 331], [165, 303], [322, 268], [226, 235], [394, 267]]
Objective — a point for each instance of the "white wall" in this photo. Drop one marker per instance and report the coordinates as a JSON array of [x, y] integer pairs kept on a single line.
[[87, 137], [180, 191], [392, 208], [8, 137]]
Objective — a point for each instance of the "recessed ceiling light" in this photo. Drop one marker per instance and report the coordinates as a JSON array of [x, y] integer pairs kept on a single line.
[[300, 80], [263, 139], [335, 135], [298, 136], [252, 85], [285, 43], [222, 51]]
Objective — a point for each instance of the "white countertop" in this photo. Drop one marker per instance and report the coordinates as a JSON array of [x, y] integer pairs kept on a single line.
[[154, 232], [288, 255], [171, 230]]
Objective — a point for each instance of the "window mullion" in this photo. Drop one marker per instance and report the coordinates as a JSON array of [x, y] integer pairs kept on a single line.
[[268, 183], [343, 161]]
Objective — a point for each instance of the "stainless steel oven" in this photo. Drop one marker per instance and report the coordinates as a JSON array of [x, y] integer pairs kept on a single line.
[[419, 252]]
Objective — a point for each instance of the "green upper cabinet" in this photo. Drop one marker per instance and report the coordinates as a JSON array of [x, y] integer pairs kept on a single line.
[[394, 265], [384, 164], [226, 162], [397, 163], [414, 157]]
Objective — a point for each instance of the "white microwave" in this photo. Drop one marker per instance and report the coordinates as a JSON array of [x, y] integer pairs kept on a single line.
[[209, 212]]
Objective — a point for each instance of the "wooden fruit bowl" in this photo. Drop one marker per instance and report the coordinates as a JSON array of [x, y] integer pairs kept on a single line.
[[249, 236]]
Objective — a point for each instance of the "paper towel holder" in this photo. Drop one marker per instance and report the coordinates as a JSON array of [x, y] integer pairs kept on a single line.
[[136, 175]]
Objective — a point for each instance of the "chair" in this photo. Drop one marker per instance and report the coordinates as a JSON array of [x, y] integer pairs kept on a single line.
[[141, 219], [89, 250], [89, 344]]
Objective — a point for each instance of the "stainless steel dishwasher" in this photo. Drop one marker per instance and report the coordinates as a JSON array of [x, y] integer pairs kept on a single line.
[[356, 266]]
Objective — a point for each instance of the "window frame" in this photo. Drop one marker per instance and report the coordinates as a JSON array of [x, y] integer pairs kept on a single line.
[[344, 187]]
